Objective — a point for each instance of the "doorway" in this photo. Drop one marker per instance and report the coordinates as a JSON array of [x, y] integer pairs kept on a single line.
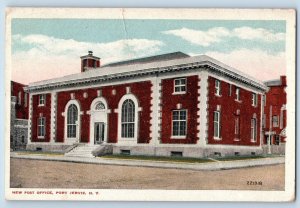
[[99, 129]]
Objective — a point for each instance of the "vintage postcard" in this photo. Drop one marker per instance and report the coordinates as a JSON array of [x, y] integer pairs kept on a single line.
[[150, 104]]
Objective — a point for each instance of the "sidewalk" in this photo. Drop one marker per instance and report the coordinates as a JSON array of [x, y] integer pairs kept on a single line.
[[214, 165]]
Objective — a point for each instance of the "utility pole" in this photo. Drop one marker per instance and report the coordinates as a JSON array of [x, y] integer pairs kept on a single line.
[[270, 131]]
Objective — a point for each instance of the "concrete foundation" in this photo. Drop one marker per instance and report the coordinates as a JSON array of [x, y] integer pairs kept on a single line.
[[186, 151], [61, 148]]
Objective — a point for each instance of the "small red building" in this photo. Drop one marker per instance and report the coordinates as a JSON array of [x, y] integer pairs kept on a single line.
[[19, 116], [171, 104], [275, 112]]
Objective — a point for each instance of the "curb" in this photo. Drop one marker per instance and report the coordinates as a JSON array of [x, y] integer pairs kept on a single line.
[[220, 165]]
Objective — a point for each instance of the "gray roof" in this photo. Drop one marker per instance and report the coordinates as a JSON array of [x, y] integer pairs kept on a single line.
[[149, 59], [111, 72]]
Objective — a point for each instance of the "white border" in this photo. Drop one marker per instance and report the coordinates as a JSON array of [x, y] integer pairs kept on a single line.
[[170, 195]]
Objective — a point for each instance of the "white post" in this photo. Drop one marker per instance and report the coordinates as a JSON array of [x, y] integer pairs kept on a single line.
[[270, 130]]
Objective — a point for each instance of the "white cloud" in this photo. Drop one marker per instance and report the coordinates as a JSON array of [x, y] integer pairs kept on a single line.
[[53, 57], [203, 38], [217, 34], [249, 33], [256, 63]]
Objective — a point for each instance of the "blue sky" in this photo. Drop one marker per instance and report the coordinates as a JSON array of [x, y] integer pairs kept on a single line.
[[256, 47]]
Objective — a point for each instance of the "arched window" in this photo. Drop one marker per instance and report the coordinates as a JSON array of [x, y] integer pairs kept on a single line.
[[100, 106], [128, 119], [72, 118]]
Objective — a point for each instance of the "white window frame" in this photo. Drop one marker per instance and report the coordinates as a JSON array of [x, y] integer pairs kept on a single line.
[[238, 94], [78, 129], [136, 119], [217, 87], [179, 86], [72, 124], [237, 128], [125, 122], [41, 125], [179, 120], [253, 129], [42, 100], [254, 99], [218, 123], [19, 97]]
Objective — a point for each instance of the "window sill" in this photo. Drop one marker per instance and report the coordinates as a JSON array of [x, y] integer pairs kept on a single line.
[[253, 141], [217, 138], [178, 137], [255, 106], [41, 137], [236, 139], [179, 93], [239, 101], [218, 95], [41, 105]]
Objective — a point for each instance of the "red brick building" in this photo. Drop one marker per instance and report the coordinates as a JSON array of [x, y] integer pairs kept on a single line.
[[275, 112], [170, 104]]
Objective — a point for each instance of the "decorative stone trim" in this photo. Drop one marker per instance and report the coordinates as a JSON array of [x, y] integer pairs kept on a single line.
[[155, 113], [203, 109], [53, 117], [72, 96], [30, 120]]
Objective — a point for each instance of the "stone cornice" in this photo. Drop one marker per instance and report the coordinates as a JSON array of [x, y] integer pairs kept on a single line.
[[204, 65]]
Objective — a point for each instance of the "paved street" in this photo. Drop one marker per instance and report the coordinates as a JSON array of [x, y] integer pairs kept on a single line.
[[27, 173]]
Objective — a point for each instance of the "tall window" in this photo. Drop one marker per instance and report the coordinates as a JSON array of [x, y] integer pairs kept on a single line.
[[19, 98], [180, 85], [237, 127], [254, 99], [41, 126], [128, 119], [179, 119], [237, 94], [217, 87], [72, 121], [217, 124], [253, 129], [42, 99], [275, 121], [25, 99]]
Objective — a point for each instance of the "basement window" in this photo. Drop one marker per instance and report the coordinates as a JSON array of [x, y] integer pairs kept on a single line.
[[217, 154], [176, 154], [252, 153], [237, 153], [39, 149], [125, 152]]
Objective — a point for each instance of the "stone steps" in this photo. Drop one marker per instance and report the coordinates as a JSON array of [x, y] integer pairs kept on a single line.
[[81, 151]]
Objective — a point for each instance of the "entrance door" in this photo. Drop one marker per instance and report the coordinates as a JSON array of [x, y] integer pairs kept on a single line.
[[99, 132]]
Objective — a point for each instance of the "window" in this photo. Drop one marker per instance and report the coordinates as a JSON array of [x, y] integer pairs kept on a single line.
[[100, 106], [275, 121], [42, 100], [72, 118], [25, 99], [254, 99], [180, 85], [128, 119], [19, 98], [217, 124], [277, 140], [41, 126], [264, 121], [237, 127], [237, 94], [253, 129], [179, 119], [264, 100], [217, 87]]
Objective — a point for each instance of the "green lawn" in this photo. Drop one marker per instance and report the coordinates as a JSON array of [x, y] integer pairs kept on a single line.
[[184, 159], [39, 153], [157, 158]]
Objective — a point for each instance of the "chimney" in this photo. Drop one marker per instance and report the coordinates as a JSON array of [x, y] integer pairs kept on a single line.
[[283, 80], [89, 62]]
